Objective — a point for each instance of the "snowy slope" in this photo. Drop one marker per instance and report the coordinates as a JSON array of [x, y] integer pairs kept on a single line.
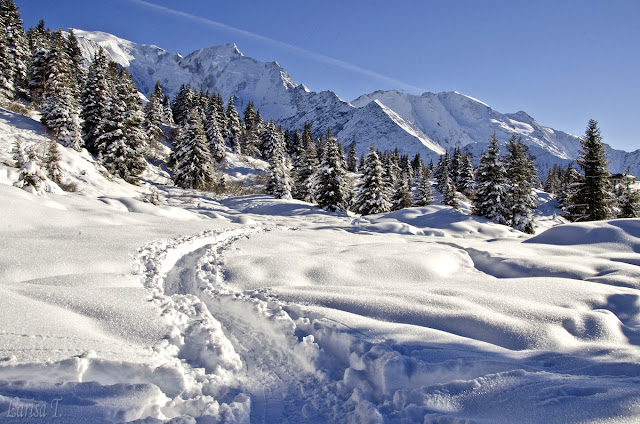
[[256, 310], [428, 124]]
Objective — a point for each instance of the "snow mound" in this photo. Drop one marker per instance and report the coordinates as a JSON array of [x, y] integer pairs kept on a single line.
[[620, 234]]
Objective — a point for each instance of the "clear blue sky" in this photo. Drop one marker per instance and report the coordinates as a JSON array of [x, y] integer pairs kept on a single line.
[[563, 62]]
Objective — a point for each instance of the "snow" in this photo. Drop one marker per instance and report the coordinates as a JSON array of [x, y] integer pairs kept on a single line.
[[255, 309]]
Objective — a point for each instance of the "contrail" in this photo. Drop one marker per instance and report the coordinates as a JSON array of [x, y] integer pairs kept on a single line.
[[318, 57]]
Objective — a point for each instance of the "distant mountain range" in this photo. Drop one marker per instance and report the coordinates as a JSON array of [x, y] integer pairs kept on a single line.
[[429, 124]]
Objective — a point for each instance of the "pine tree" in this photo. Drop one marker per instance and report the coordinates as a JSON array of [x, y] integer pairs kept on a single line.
[[425, 192], [402, 197], [467, 179], [193, 168], [456, 166], [521, 177], [372, 196], [40, 45], [214, 137], [75, 63], [352, 159], [331, 186], [153, 119], [19, 154], [167, 112], [568, 195], [52, 161], [270, 141], [449, 191], [594, 192], [7, 72], [490, 188], [629, 201], [279, 184], [60, 109], [95, 99], [183, 104], [121, 138], [392, 171], [15, 44], [233, 128], [305, 167]]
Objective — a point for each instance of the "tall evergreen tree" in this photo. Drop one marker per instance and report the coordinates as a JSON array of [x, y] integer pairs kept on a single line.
[[352, 159], [568, 199], [52, 161], [121, 139], [193, 162], [95, 99], [629, 201], [305, 167], [16, 44], [40, 45], [449, 191], [490, 188], [75, 64], [279, 184], [270, 141], [467, 179], [183, 104], [233, 127], [214, 136], [521, 177], [167, 111], [402, 197], [593, 192], [153, 119], [372, 196], [425, 192], [332, 189], [60, 109]]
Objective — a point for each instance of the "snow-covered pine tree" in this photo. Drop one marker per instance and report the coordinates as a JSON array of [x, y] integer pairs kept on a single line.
[[95, 98], [392, 171], [249, 116], [216, 142], [16, 44], [418, 166], [372, 196], [331, 187], [521, 176], [352, 159], [402, 197], [406, 167], [167, 112], [153, 119], [60, 109], [183, 104], [449, 191], [305, 167], [40, 45], [443, 170], [455, 169], [193, 168], [232, 135], [19, 154], [425, 191], [121, 138], [52, 161], [7, 87], [567, 197], [31, 178], [594, 191], [279, 184], [490, 188], [467, 178], [75, 62], [629, 200], [270, 141]]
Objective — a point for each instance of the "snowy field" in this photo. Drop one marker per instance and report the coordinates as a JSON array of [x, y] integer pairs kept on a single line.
[[251, 309]]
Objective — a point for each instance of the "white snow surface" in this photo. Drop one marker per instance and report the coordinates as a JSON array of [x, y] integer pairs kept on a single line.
[[253, 309]]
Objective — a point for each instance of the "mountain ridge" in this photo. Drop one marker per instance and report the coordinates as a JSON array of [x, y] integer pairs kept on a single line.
[[428, 124]]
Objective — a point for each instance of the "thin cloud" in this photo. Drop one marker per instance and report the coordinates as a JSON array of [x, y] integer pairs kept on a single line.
[[318, 57]]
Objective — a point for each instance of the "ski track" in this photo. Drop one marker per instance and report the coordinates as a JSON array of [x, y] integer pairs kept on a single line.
[[276, 369]]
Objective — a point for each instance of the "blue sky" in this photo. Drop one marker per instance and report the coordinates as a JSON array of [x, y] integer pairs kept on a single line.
[[563, 62]]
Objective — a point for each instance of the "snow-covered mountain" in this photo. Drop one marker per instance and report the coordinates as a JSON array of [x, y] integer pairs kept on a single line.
[[429, 124]]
